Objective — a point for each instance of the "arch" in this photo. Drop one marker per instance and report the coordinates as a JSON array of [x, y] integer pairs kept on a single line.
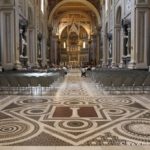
[[70, 24], [74, 12], [85, 2]]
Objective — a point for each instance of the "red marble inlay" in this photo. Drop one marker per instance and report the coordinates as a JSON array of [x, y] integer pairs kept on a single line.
[[62, 112], [87, 112]]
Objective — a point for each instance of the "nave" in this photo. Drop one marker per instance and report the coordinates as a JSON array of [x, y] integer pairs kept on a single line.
[[78, 116]]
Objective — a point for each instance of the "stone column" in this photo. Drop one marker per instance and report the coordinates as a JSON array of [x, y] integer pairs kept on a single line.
[[44, 49], [142, 34], [17, 64], [122, 65], [49, 44], [39, 48], [129, 41], [89, 52], [31, 46], [58, 51], [9, 33], [99, 53], [54, 49], [114, 49], [116, 46], [134, 19], [105, 49], [94, 49]]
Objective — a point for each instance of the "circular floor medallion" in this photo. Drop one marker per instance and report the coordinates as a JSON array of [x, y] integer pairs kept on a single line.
[[14, 131], [117, 101], [75, 125], [33, 101], [115, 111], [137, 129]]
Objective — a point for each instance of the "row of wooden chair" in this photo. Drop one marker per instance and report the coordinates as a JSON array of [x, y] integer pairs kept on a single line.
[[122, 80], [19, 84]]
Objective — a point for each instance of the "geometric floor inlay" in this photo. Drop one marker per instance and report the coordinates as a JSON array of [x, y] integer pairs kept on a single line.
[[74, 118]]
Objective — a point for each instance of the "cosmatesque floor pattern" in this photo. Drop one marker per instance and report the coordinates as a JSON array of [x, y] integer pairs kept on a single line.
[[76, 117]]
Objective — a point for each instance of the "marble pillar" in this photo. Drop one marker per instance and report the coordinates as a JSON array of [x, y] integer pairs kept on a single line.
[[89, 51], [105, 50], [122, 65], [99, 52], [132, 62], [116, 46]]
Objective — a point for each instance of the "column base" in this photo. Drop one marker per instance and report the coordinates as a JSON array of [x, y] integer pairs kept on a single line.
[[131, 65], [122, 65], [104, 65], [37, 65], [114, 65], [9, 66], [141, 66], [18, 65]]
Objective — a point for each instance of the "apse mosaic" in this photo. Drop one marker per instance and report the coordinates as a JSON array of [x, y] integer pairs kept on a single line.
[[67, 121]]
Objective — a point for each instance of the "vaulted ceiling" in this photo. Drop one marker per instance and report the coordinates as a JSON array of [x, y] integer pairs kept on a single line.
[[53, 3], [74, 12]]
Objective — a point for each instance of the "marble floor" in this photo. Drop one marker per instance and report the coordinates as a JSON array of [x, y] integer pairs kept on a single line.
[[78, 117]]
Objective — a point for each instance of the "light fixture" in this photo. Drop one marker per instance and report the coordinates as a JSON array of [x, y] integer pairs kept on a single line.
[[84, 44], [64, 44]]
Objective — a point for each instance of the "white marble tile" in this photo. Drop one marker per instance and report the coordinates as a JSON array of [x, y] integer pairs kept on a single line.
[[75, 148], [123, 148], [146, 147], [33, 148], [78, 148], [6, 147]]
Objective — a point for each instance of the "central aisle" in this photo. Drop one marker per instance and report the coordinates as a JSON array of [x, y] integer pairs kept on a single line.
[[75, 85]]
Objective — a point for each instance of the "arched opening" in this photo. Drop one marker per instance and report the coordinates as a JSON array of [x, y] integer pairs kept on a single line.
[[84, 2], [74, 46], [68, 17]]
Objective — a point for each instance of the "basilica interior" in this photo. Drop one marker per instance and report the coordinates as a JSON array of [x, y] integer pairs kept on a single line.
[[74, 74]]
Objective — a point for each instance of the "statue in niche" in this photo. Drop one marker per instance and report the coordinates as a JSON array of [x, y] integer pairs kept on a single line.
[[110, 49], [23, 42], [126, 23], [109, 36], [39, 44]]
